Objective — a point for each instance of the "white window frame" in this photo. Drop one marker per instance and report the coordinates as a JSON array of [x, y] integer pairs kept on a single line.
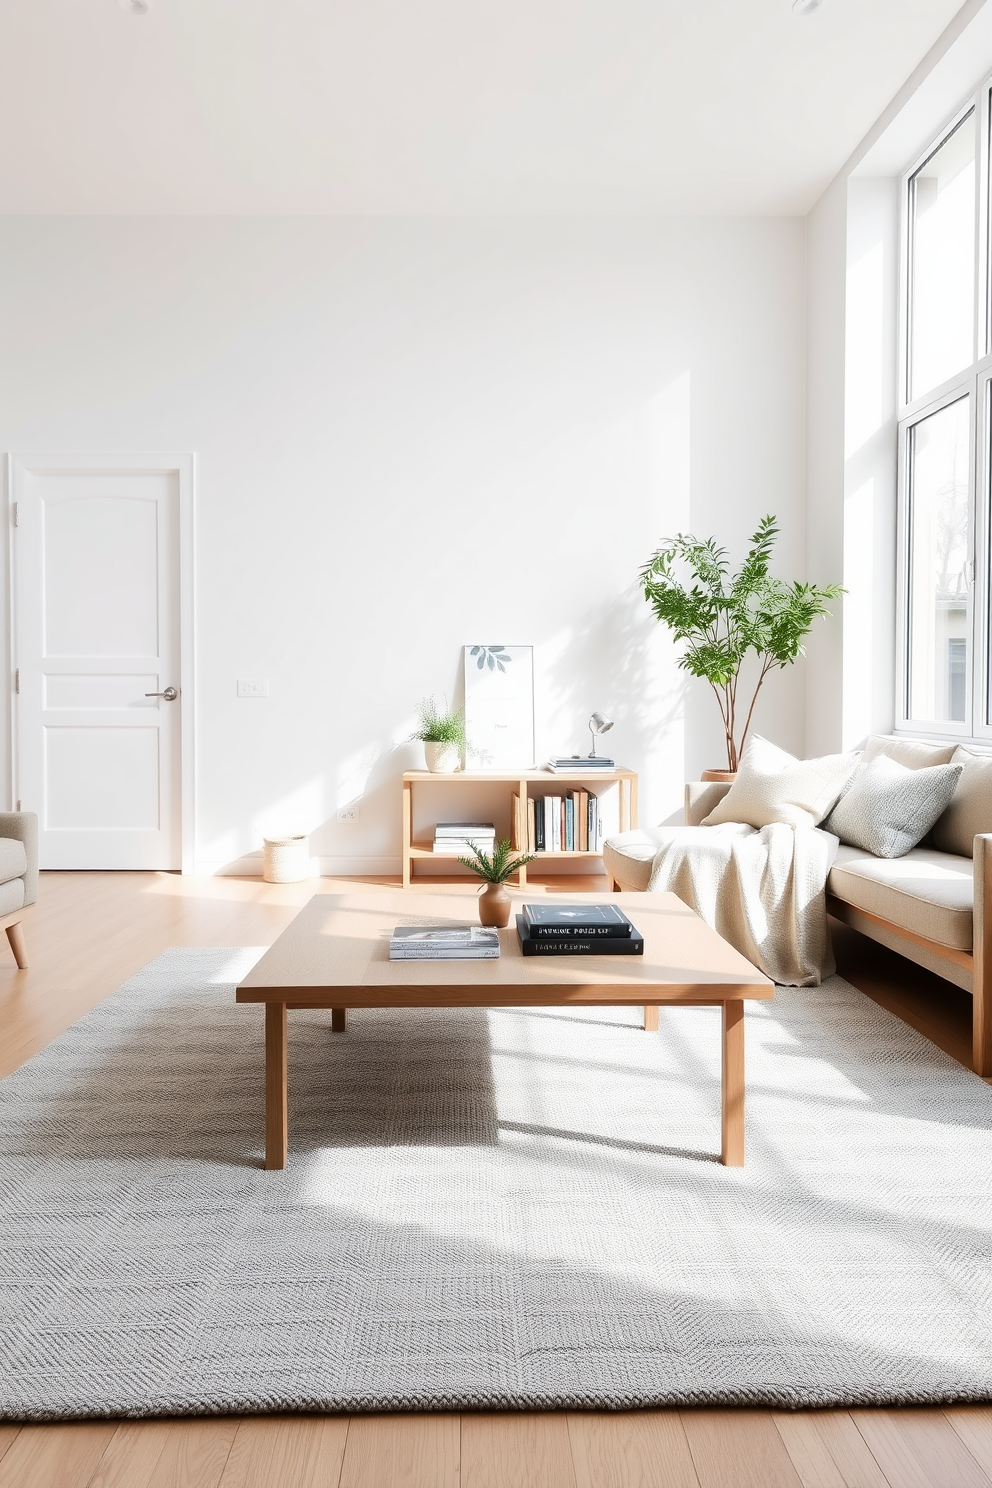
[[975, 381]]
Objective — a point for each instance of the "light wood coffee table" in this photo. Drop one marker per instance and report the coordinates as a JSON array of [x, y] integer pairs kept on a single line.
[[335, 954]]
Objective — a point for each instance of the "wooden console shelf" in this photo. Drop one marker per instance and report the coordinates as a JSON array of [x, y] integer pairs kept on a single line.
[[522, 783]]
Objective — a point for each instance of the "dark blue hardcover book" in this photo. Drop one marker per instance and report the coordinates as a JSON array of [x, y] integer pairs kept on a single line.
[[561, 921]]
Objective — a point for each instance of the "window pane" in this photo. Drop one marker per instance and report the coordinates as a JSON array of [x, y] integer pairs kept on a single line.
[[939, 625], [942, 235]]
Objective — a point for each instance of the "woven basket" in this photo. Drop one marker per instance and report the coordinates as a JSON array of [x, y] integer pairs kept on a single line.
[[286, 859]]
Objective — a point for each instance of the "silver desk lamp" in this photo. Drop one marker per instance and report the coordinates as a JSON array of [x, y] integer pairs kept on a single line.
[[598, 724]]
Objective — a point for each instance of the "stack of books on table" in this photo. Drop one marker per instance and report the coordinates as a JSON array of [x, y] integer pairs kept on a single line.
[[443, 943], [577, 930], [457, 839], [588, 764]]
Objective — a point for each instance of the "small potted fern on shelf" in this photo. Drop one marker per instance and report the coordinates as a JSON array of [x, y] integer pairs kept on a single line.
[[495, 868], [442, 732]]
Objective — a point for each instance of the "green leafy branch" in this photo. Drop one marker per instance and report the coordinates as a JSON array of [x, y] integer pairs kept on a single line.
[[498, 866], [440, 725], [722, 617]]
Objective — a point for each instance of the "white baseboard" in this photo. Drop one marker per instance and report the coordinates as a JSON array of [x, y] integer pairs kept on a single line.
[[340, 865], [343, 865]]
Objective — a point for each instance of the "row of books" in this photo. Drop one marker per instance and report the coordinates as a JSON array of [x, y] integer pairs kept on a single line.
[[543, 930], [457, 839], [578, 820]]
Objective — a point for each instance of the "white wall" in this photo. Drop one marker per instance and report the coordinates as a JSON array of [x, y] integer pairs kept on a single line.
[[852, 274], [414, 434]]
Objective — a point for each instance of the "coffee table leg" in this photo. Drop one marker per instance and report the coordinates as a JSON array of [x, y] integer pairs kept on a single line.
[[276, 1112], [732, 1127], [650, 1019], [339, 1020]]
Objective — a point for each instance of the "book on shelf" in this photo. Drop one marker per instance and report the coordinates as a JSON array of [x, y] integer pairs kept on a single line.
[[562, 763], [457, 839], [579, 820], [562, 921], [465, 829], [443, 943], [586, 945]]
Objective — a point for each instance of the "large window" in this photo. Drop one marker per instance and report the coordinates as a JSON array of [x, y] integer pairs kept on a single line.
[[945, 568]]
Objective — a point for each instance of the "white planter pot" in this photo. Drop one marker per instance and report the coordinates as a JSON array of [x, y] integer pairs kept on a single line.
[[286, 859], [442, 759]]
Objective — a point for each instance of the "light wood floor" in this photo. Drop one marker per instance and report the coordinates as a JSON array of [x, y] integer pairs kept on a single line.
[[90, 932]]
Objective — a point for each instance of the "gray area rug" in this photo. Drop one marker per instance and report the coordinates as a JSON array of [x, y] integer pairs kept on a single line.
[[517, 1209]]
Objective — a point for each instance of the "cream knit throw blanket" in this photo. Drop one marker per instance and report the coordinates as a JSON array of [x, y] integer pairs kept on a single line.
[[762, 889]]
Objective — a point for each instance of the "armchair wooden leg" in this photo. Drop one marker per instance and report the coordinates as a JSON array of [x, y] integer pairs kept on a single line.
[[16, 937]]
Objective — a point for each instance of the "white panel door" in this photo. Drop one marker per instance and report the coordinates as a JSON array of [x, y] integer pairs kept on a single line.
[[96, 630]]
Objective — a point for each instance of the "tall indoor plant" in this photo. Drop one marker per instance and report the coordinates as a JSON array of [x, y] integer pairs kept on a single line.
[[722, 617]]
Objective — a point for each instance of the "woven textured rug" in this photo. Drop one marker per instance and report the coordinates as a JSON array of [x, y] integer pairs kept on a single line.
[[516, 1208]]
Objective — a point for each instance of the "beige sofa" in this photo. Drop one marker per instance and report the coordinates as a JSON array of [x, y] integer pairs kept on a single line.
[[932, 906], [18, 876]]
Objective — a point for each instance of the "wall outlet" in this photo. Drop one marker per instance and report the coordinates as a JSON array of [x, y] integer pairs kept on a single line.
[[348, 813], [253, 687]]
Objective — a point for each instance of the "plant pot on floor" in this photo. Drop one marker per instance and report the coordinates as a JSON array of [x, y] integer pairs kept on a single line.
[[442, 759], [494, 906], [723, 777]]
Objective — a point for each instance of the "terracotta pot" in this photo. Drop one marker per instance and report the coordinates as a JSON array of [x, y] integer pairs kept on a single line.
[[442, 759], [724, 777], [494, 906]]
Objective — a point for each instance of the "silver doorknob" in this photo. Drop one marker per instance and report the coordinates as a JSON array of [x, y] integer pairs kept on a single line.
[[170, 694]]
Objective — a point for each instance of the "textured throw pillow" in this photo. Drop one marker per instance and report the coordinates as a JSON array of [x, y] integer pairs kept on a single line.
[[889, 807], [970, 811], [913, 753], [773, 786]]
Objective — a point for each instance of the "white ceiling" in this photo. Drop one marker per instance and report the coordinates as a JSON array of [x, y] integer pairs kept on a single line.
[[443, 106]]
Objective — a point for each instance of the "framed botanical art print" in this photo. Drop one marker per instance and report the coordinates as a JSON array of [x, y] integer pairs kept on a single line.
[[499, 707]]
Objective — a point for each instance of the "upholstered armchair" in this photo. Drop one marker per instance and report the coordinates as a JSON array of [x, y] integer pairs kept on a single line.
[[18, 875]]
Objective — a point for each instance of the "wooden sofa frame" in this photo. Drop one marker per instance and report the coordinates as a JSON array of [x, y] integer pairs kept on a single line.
[[971, 970]]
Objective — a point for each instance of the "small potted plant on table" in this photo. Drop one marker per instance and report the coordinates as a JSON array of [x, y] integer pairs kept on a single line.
[[495, 869]]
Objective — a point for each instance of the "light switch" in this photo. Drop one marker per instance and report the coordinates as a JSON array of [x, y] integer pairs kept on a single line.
[[253, 687]]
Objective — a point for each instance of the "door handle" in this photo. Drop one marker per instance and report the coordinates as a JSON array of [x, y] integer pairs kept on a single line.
[[170, 694]]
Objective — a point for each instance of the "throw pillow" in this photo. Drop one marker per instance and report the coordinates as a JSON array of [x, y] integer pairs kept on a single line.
[[912, 753], [774, 786], [970, 811], [890, 807]]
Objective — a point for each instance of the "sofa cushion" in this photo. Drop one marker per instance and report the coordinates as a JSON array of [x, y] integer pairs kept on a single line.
[[628, 857], [889, 808], [970, 810], [773, 786], [11, 895], [913, 753], [930, 893], [13, 861]]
